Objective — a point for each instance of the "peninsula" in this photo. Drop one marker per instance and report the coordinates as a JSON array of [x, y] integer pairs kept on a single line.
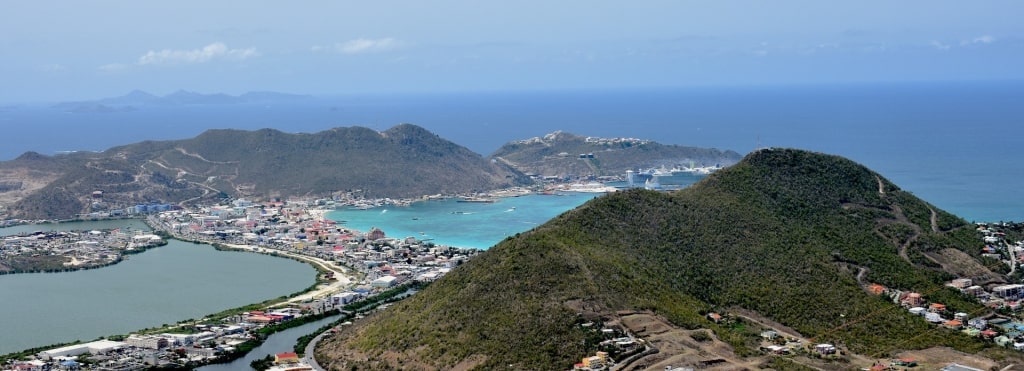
[[59, 251]]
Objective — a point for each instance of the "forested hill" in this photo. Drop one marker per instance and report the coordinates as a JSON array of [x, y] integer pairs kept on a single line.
[[404, 161], [790, 235], [558, 154]]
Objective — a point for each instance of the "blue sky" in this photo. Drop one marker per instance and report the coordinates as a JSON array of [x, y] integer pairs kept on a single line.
[[89, 49]]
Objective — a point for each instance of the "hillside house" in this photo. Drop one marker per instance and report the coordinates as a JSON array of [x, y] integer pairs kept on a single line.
[[825, 349], [912, 299], [1009, 292]]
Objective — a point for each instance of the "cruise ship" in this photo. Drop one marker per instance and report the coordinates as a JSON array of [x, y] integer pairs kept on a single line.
[[592, 187]]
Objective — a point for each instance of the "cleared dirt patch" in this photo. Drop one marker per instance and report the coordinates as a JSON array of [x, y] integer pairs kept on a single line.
[[28, 181], [963, 265], [937, 358], [680, 348]]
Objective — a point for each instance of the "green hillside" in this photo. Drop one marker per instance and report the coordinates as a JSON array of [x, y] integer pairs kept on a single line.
[[404, 161], [783, 233]]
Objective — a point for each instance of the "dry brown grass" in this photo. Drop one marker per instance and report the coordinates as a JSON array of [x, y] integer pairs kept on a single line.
[[962, 265]]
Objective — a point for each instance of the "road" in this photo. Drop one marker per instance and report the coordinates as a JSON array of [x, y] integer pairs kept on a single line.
[[309, 358]]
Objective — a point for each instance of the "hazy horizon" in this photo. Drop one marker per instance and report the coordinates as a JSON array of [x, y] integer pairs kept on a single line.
[[102, 49]]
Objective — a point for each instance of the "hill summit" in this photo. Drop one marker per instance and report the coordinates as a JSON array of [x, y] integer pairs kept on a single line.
[[403, 161], [785, 239]]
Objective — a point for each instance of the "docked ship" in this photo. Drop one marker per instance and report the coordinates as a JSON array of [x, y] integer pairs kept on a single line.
[[593, 187]]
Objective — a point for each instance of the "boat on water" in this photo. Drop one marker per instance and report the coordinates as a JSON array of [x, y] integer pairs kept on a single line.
[[662, 171], [652, 184], [699, 170]]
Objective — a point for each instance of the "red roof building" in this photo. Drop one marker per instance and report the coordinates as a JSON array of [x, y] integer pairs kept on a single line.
[[289, 357]]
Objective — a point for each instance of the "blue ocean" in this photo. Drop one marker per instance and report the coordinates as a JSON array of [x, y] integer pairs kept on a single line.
[[957, 145]]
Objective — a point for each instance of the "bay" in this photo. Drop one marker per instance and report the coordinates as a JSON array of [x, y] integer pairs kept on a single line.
[[470, 224], [163, 285], [462, 224]]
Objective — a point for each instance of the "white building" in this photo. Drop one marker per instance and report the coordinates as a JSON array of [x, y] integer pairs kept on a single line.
[[95, 347], [384, 282], [147, 341], [1009, 292], [344, 298]]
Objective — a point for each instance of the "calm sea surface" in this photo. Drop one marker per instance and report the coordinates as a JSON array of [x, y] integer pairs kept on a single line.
[[462, 224], [470, 224], [163, 285]]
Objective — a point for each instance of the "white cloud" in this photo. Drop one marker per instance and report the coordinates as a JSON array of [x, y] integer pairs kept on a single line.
[[361, 46], [983, 39], [202, 55], [938, 45]]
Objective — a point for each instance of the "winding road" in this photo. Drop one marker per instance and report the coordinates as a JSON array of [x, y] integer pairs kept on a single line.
[[309, 357]]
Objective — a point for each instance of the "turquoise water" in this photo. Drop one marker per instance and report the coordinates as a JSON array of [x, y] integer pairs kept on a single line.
[[462, 224], [478, 225]]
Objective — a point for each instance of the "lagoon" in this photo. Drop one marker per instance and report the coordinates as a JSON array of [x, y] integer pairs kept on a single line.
[[164, 285]]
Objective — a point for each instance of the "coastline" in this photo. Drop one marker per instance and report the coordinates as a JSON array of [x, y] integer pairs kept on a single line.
[[319, 289], [106, 247], [320, 265]]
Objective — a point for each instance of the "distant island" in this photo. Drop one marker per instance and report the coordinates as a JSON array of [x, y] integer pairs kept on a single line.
[[561, 154], [138, 99]]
